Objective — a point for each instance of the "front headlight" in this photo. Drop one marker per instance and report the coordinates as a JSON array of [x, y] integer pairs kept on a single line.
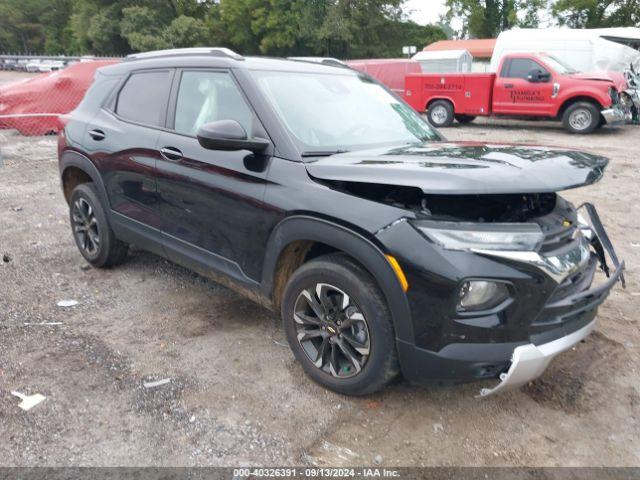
[[480, 236]]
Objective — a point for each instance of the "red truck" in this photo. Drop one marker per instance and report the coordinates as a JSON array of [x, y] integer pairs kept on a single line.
[[530, 86]]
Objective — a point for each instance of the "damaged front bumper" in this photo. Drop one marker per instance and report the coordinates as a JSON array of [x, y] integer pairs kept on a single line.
[[529, 361], [616, 116]]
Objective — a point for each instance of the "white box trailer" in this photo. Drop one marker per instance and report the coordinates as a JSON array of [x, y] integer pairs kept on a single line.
[[583, 49], [444, 61]]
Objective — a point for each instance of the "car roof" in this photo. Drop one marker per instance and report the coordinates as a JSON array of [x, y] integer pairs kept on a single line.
[[217, 58]]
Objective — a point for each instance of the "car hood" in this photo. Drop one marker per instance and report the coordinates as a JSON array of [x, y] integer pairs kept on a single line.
[[616, 78], [464, 168]]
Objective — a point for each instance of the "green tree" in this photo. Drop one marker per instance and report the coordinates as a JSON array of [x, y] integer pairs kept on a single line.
[[186, 31], [22, 28], [54, 20], [597, 13], [272, 27], [103, 31], [341, 28], [360, 28], [140, 27], [77, 26], [487, 18], [410, 33]]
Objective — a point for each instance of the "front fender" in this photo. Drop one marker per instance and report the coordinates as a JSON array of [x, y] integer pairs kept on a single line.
[[569, 93], [368, 254]]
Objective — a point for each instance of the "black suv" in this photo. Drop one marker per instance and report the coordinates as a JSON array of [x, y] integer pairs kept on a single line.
[[320, 194]]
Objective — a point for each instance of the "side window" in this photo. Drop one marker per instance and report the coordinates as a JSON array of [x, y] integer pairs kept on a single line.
[[520, 68], [144, 97], [205, 97]]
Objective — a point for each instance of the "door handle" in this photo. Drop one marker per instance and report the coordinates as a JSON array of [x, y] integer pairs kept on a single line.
[[508, 85], [171, 154], [97, 134]]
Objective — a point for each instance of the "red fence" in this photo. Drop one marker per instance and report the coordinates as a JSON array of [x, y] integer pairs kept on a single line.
[[33, 106]]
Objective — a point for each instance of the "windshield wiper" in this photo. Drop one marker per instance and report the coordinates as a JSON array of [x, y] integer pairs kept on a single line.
[[321, 153]]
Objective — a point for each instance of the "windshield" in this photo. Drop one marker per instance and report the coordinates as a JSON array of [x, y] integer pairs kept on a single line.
[[558, 65], [330, 113]]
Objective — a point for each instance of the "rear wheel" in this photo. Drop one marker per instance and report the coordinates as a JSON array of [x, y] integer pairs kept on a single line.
[[465, 118], [339, 326], [440, 113], [581, 117], [91, 230]]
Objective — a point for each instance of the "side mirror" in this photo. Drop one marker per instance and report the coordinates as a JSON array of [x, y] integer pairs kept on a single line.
[[538, 76], [228, 135]]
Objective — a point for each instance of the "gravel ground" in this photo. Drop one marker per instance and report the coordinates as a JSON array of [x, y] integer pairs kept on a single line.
[[236, 396], [9, 76]]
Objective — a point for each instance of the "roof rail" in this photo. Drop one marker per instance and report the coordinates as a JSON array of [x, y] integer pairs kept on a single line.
[[177, 52], [332, 62]]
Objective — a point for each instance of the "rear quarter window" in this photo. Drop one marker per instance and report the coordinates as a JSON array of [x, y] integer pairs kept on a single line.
[[99, 90], [144, 96]]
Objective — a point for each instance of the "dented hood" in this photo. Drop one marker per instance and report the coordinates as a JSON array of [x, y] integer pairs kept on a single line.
[[464, 168], [616, 78]]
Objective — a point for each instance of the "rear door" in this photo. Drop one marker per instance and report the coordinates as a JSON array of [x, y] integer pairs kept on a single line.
[[515, 94], [211, 200], [122, 139]]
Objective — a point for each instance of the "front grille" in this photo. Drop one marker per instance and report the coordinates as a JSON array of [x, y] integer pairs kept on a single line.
[[557, 238], [576, 282], [554, 316], [615, 96]]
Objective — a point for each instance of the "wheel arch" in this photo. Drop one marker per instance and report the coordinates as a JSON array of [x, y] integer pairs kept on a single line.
[[76, 168], [435, 99], [298, 239], [579, 98]]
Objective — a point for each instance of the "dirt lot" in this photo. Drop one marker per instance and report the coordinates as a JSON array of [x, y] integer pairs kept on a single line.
[[8, 76], [236, 395]]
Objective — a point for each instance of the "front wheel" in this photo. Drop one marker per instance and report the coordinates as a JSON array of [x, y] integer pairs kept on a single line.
[[339, 326], [581, 117]]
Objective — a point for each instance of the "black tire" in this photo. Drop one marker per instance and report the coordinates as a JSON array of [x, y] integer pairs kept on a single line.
[[339, 274], [465, 118], [91, 230], [581, 118], [440, 113]]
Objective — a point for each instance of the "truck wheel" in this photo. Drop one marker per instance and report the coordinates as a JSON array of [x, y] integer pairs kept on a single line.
[[440, 113], [465, 118], [91, 230], [339, 326], [581, 117]]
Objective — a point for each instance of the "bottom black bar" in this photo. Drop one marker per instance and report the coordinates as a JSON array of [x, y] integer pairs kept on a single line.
[[225, 473]]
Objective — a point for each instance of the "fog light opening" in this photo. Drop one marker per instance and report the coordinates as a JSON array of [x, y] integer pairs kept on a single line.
[[477, 295]]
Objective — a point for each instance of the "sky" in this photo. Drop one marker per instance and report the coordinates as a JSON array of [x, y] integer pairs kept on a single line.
[[425, 11]]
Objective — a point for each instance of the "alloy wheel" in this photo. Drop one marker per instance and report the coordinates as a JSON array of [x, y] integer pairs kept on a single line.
[[332, 330], [85, 226]]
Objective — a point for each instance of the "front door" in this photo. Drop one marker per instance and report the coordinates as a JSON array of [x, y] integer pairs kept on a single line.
[[211, 200], [515, 94]]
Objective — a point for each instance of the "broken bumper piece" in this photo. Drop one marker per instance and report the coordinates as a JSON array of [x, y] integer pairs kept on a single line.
[[529, 361], [616, 116]]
